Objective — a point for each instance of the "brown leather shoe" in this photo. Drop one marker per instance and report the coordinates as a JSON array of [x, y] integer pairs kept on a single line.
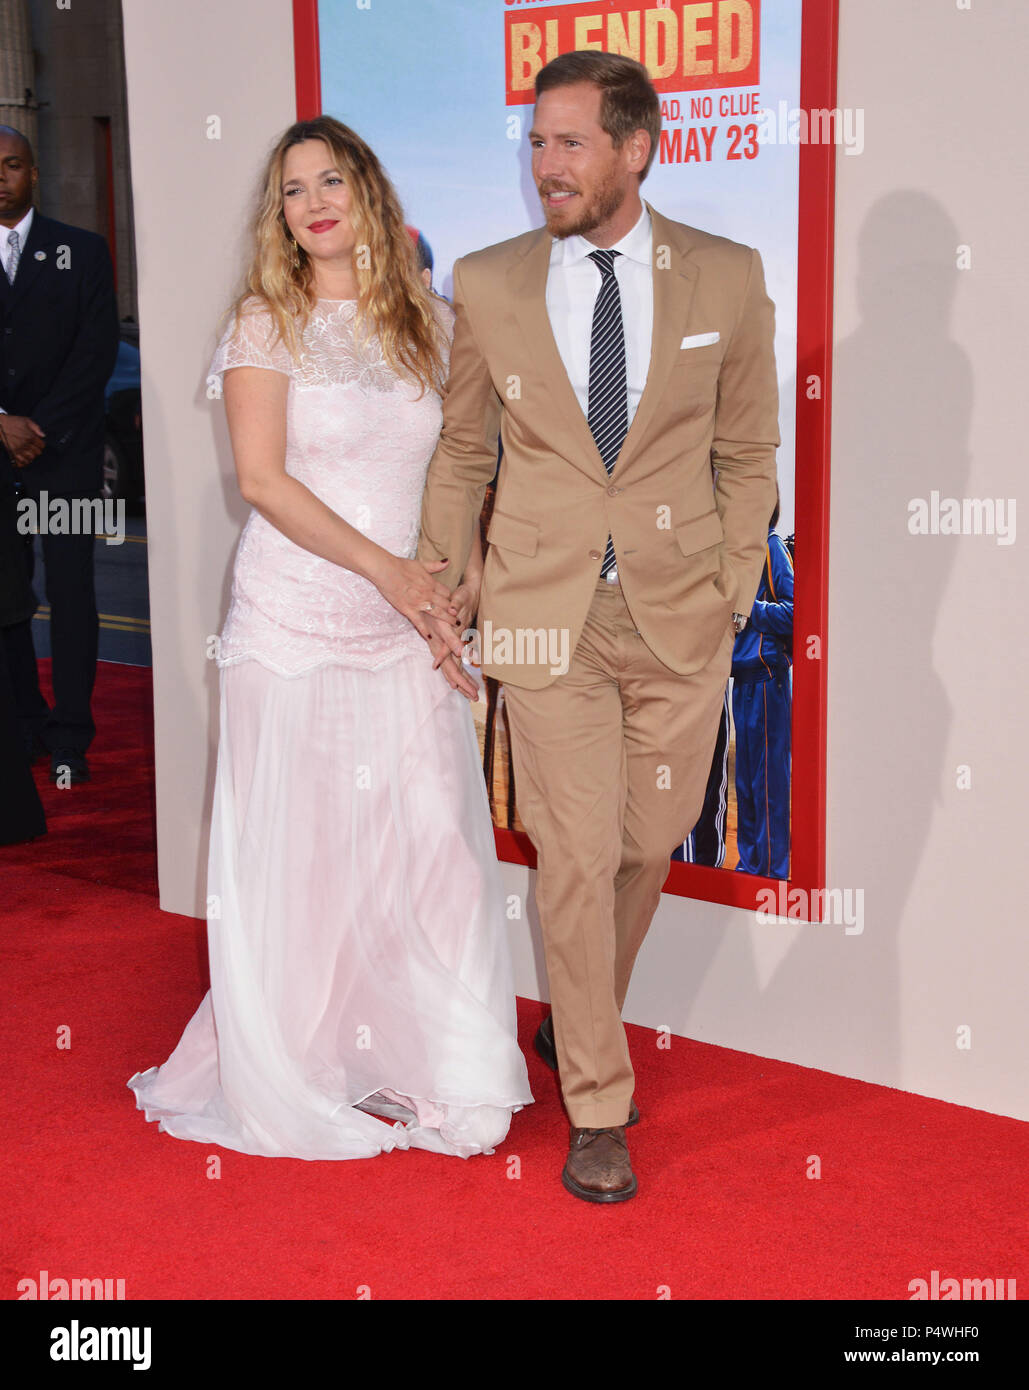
[[597, 1168], [545, 1046]]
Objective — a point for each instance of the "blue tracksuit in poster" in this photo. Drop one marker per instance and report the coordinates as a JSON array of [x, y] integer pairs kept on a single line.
[[705, 843], [761, 706]]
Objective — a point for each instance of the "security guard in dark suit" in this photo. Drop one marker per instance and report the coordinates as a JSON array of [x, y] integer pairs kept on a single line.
[[58, 344], [21, 811]]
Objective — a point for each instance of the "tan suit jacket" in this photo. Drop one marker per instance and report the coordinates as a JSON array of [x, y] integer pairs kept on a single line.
[[690, 498]]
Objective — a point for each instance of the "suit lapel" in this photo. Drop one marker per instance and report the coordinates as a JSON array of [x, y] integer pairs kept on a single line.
[[674, 284], [28, 267], [527, 280]]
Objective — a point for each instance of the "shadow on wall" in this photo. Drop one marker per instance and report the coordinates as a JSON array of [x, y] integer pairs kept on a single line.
[[902, 399]]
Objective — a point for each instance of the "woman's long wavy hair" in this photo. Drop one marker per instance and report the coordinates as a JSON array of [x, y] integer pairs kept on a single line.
[[392, 300]]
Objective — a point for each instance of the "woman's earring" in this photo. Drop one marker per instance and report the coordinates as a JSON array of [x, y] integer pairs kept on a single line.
[[294, 253]]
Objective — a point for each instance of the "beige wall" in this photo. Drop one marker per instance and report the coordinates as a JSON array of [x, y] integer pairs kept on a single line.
[[925, 643], [186, 64]]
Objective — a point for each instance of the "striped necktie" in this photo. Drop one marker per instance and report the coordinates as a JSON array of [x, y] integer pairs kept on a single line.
[[15, 255], [608, 413]]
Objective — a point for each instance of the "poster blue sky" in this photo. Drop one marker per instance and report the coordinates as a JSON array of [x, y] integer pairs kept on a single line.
[[426, 83]]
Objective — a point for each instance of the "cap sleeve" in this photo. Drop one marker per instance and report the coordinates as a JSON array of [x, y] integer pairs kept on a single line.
[[253, 342]]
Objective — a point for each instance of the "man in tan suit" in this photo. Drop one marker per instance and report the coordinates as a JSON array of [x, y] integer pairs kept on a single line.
[[628, 364]]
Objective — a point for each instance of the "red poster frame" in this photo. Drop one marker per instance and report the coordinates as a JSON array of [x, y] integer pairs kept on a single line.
[[819, 41]]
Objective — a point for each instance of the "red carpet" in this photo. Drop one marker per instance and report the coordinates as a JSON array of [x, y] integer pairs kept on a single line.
[[103, 831], [725, 1209]]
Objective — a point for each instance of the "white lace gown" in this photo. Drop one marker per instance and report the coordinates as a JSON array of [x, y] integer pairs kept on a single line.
[[356, 915]]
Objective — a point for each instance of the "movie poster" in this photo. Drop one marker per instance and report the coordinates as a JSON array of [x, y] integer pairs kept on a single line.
[[443, 91]]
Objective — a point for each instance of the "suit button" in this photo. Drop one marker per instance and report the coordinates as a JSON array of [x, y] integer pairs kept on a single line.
[[613, 491], [595, 555]]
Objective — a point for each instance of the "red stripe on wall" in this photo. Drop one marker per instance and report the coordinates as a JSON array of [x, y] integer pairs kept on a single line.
[[307, 59]]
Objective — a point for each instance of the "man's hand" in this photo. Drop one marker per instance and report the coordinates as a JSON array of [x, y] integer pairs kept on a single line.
[[451, 664], [22, 438], [465, 603]]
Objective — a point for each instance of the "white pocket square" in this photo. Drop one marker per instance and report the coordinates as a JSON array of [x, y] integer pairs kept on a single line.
[[699, 340]]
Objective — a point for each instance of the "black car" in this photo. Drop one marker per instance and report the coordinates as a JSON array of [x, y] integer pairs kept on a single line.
[[123, 423]]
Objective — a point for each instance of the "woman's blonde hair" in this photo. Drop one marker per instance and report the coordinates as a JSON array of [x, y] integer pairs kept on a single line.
[[392, 302]]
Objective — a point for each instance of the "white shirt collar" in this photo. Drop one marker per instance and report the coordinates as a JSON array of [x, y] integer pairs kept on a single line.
[[22, 229], [636, 245]]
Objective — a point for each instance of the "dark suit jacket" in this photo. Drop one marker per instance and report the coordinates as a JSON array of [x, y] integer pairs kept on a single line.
[[58, 344]]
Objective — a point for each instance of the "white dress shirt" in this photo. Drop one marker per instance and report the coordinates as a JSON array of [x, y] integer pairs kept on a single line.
[[23, 235], [573, 283]]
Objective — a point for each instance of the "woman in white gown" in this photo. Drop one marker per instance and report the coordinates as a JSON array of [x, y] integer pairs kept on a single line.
[[356, 917]]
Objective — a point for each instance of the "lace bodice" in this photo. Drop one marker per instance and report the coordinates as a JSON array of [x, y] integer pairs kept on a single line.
[[360, 437]]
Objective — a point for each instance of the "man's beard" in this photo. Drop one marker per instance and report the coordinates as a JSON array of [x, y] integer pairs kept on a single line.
[[606, 201]]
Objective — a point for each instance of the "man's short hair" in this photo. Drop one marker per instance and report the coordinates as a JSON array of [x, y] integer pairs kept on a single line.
[[30, 154], [628, 101]]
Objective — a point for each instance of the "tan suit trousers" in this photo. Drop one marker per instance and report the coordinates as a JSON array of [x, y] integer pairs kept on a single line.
[[611, 763]]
